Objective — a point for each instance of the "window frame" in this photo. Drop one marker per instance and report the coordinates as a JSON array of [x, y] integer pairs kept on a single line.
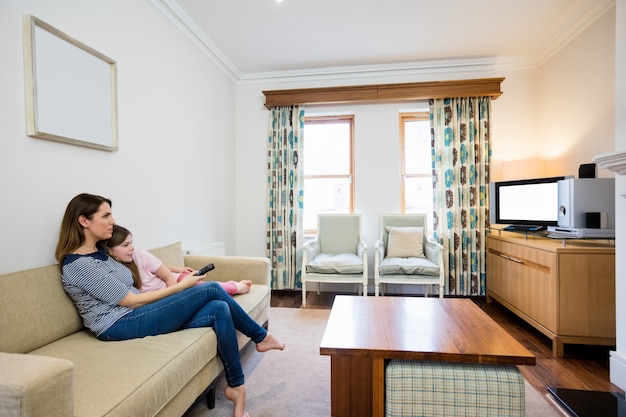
[[351, 176], [408, 117]]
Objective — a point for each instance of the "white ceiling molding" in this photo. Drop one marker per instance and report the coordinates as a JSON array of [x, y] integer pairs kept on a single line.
[[185, 24], [580, 22], [175, 14]]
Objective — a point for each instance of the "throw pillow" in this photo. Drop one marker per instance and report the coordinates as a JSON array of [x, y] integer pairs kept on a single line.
[[405, 242]]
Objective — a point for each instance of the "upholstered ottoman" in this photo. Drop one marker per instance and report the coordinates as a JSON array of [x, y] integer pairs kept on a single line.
[[422, 388]]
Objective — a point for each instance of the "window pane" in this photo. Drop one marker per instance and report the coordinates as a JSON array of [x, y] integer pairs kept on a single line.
[[417, 150], [325, 195], [419, 195], [326, 149]]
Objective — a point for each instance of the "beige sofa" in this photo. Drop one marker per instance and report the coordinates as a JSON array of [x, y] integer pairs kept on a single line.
[[50, 365]]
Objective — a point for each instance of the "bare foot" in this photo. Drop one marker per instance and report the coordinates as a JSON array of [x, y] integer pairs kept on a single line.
[[243, 286], [269, 343], [238, 396]]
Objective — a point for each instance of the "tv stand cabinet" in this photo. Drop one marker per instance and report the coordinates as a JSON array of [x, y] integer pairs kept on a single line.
[[567, 292]]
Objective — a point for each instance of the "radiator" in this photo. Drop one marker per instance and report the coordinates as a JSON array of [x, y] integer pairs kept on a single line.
[[207, 249]]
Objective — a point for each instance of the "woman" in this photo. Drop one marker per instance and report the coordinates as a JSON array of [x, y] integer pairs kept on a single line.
[[149, 273], [102, 290]]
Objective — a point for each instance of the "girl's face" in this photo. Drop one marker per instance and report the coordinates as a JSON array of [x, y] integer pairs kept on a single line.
[[100, 226], [124, 251]]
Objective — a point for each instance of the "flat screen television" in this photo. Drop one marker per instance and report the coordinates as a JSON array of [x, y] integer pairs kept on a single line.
[[530, 202]]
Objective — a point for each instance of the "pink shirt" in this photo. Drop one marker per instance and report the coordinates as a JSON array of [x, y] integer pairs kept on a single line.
[[148, 264]]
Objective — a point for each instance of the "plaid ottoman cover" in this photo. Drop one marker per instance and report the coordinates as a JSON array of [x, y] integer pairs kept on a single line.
[[422, 388]]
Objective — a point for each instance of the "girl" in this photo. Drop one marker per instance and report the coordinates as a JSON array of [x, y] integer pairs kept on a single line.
[[149, 273], [113, 309]]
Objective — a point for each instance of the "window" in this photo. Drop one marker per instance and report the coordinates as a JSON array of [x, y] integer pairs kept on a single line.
[[328, 167], [417, 183]]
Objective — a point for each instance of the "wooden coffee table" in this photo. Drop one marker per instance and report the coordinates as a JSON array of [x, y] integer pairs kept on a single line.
[[363, 332]]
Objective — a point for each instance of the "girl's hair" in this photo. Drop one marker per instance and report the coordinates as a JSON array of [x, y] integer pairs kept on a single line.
[[72, 235], [117, 238]]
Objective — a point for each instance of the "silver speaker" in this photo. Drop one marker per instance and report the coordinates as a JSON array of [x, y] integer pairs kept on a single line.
[[577, 197]]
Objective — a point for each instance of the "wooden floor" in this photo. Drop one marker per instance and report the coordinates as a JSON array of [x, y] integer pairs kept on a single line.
[[583, 367]]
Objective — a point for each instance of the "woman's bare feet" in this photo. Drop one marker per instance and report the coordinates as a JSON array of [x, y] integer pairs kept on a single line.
[[243, 286], [269, 343], [238, 396]]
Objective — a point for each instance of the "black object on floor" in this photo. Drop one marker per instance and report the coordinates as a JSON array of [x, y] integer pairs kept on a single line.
[[583, 403]]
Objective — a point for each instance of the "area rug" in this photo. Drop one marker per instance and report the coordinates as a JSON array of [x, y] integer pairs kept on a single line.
[[296, 381]]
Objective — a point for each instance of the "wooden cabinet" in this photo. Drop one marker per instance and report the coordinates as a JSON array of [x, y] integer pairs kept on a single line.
[[563, 288]]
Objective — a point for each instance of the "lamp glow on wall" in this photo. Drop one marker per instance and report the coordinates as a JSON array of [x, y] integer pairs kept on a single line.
[[523, 169]]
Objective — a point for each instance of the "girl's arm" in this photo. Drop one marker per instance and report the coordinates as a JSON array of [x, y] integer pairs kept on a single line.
[[132, 300], [166, 273], [179, 269]]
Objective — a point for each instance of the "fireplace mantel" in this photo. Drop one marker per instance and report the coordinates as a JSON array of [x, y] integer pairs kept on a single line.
[[613, 161]]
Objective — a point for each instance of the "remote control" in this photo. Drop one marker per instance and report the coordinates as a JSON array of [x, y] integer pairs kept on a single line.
[[206, 269]]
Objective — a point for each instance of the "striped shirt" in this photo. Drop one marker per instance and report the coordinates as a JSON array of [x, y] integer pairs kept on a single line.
[[97, 283]]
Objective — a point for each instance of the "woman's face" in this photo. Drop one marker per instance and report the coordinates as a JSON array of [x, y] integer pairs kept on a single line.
[[100, 226], [124, 251]]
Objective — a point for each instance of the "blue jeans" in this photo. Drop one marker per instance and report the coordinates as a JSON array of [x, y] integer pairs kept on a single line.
[[206, 305]]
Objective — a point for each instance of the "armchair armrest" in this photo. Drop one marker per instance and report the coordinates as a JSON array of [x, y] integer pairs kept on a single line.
[[310, 250], [433, 251], [379, 250], [361, 249], [235, 268], [33, 386]]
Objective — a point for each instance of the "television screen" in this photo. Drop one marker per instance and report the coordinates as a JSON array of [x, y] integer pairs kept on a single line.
[[525, 202]]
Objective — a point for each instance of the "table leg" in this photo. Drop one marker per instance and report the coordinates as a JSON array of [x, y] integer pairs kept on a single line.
[[351, 386], [378, 387]]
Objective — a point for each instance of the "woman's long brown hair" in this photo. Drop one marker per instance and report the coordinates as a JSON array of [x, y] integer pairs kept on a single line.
[[71, 234]]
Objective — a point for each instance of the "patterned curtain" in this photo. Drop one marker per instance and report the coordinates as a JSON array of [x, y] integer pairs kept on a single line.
[[284, 195], [461, 153]]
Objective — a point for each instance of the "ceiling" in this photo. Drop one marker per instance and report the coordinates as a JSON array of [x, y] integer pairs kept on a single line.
[[262, 38]]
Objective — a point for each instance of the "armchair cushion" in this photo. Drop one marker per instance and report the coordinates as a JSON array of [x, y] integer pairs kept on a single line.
[[408, 266], [405, 242], [342, 263]]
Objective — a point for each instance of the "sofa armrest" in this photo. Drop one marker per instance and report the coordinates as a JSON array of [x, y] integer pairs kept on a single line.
[[233, 268], [34, 386]]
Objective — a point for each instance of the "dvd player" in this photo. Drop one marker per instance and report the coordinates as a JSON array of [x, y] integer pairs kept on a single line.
[[572, 233]]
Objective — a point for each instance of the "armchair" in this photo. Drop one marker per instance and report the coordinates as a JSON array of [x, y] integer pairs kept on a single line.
[[405, 255], [338, 254]]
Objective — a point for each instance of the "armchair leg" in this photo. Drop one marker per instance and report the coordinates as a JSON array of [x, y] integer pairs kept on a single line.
[[303, 293], [364, 290], [441, 291], [376, 290]]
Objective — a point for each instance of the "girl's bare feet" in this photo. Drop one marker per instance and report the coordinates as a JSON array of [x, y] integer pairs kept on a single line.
[[269, 343], [243, 286], [238, 396]]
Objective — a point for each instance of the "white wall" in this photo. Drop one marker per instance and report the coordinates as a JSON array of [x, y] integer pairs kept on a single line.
[[173, 175], [618, 358]]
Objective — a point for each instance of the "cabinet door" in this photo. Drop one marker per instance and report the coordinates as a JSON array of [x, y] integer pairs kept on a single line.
[[539, 276], [502, 278], [587, 295], [524, 277]]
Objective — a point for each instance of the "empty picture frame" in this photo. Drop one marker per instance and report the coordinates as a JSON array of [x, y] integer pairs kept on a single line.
[[71, 89]]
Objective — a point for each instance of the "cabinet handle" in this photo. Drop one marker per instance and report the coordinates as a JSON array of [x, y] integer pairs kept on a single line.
[[519, 261]]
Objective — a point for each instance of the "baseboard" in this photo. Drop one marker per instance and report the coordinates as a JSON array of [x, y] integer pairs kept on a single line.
[[617, 366]]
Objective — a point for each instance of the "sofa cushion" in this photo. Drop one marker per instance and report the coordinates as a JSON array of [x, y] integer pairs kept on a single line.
[[147, 372], [405, 242], [408, 266], [170, 254], [343, 263], [35, 310]]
